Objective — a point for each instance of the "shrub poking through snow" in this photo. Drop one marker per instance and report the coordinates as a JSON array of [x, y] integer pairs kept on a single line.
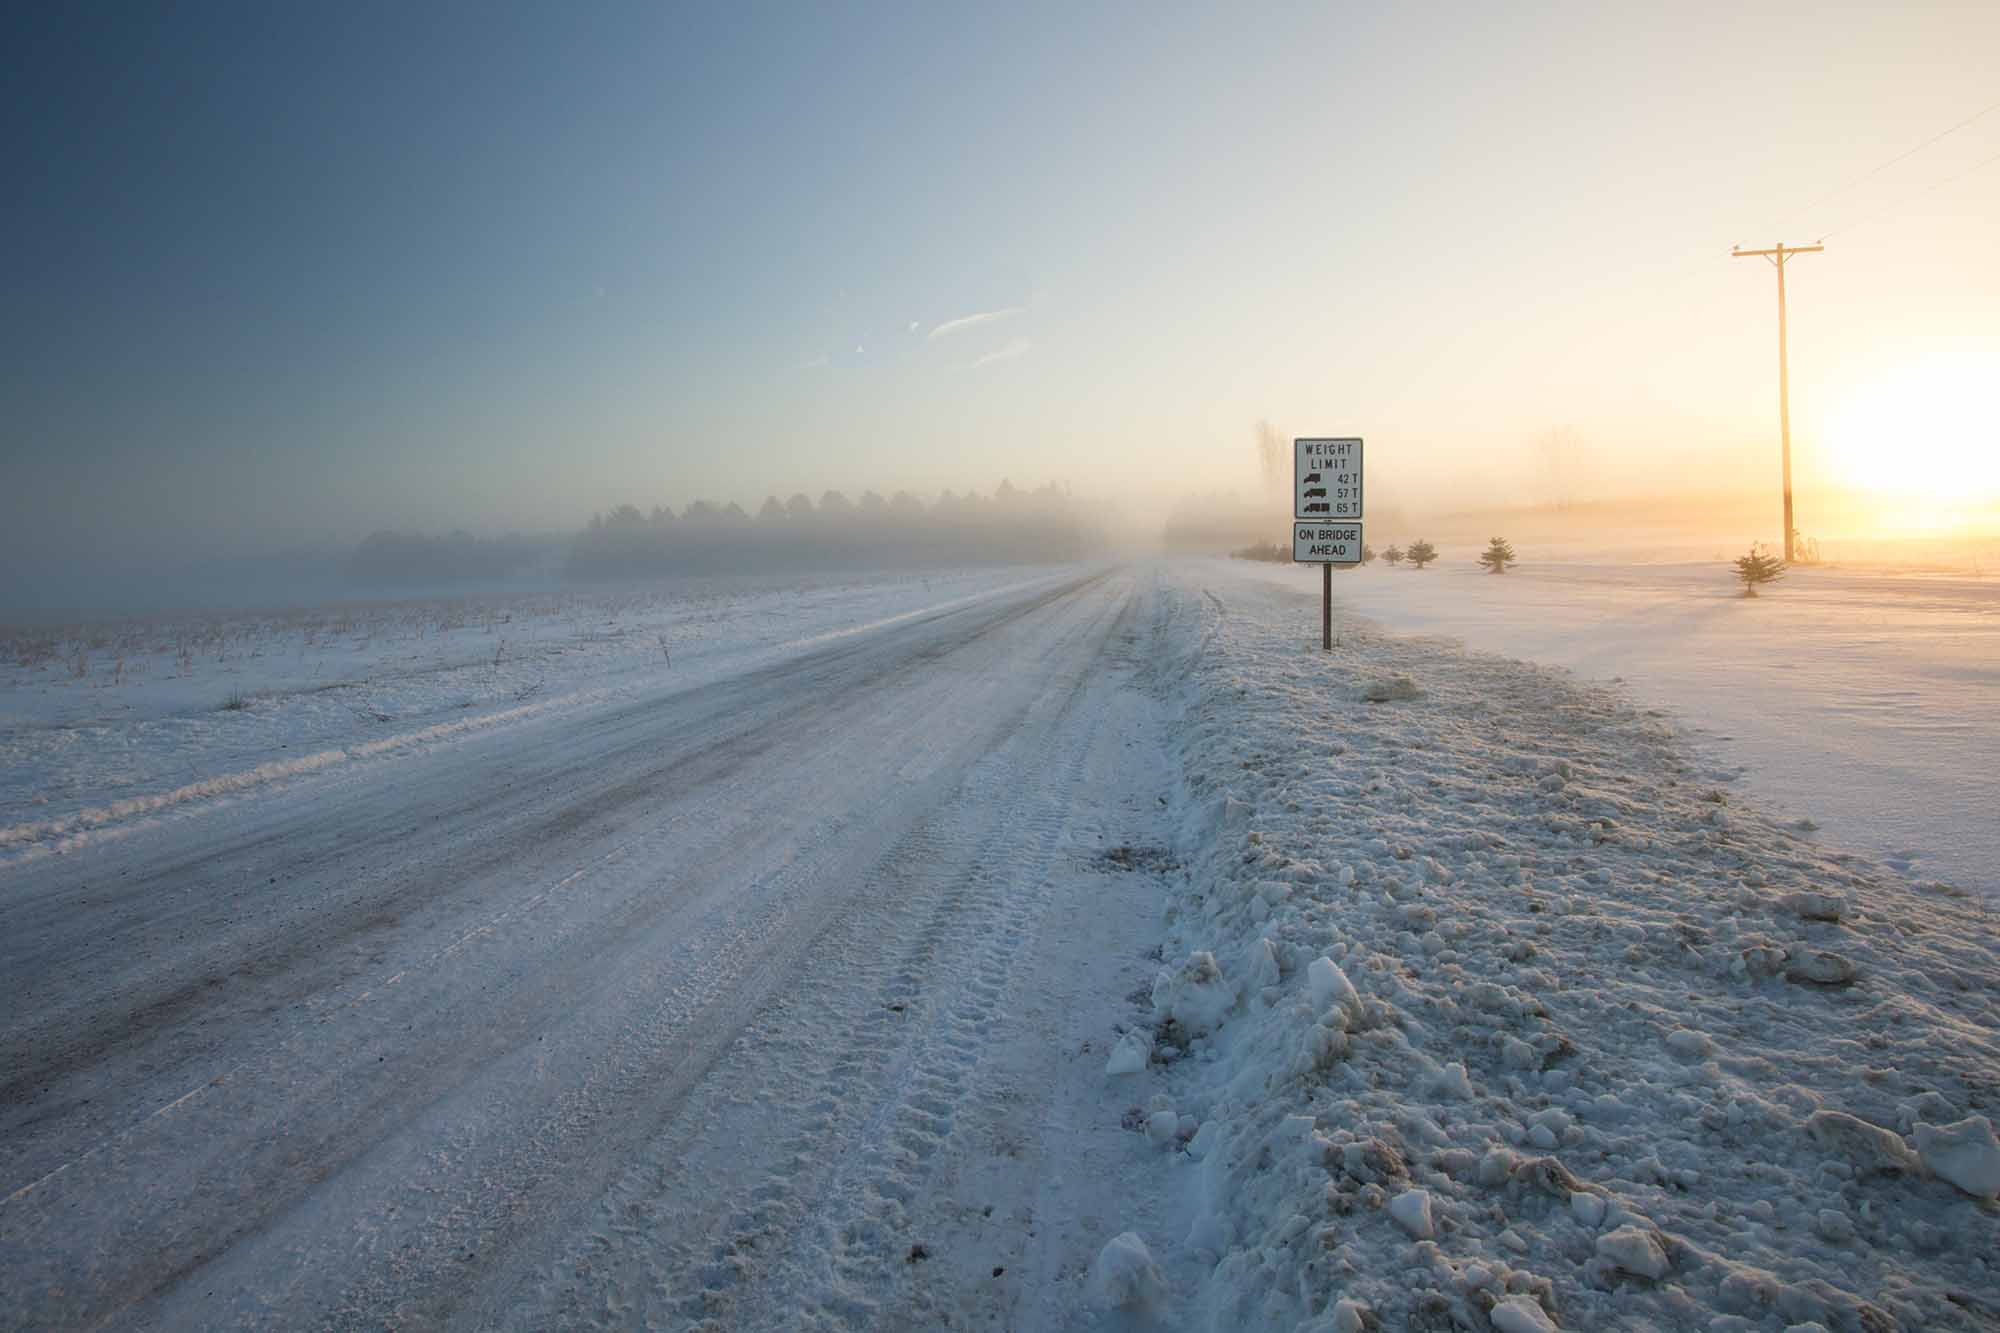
[[1394, 555], [1497, 556], [1421, 553], [1758, 567]]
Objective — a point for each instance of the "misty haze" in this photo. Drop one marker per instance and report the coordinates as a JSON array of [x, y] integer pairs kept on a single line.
[[1072, 668]]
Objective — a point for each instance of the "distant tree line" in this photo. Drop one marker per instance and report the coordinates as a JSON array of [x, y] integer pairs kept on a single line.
[[873, 531]]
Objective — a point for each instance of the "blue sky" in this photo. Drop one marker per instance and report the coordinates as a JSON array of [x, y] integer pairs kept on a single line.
[[284, 274]]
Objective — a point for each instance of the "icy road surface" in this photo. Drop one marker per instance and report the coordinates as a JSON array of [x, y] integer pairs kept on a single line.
[[766, 1003]]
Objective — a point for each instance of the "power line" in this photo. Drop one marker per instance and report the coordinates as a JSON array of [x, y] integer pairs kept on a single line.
[[1912, 198], [1900, 157]]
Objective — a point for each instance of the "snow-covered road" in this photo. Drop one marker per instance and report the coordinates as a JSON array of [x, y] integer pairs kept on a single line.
[[764, 1003]]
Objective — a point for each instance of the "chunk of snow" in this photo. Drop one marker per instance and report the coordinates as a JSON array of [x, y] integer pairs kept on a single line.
[[1129, 1056], [1819, 967], [1163, 1127], [1261, 964], [1412, 1212], [1689, 1044], [1194, 995], [1869, 1147], [1350, 1317], [1203, 1142], [1587, 1208], [1966, 1154], [1330, 985], [1496, 1167], [1635, 1251], [1813, 906], [1520, 1314], [1125, 1276], [1452, 1081]]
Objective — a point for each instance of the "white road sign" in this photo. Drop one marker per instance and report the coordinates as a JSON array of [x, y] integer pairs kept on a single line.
[[1326, 479], [1327, 543]]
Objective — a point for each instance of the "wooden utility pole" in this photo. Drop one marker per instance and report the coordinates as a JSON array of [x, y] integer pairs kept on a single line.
[[1778, 258]]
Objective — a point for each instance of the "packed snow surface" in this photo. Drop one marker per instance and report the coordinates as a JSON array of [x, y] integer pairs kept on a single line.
[[1866, 701]]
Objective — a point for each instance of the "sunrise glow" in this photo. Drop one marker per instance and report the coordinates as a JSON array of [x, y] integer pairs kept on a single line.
[[1924, 436]]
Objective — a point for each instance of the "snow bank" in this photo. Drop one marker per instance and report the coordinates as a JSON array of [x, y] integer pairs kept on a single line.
[[1491, 1013]]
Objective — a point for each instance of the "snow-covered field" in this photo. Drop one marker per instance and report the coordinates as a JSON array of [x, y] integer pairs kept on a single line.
[[1038, 949], [1486, 1009], [1866, 701]]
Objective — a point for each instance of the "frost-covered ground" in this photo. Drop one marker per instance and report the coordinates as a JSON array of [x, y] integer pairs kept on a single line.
[[1481, 1007], [1866, 701], [107, 723]]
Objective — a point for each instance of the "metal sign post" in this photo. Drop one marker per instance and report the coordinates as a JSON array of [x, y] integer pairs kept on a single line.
[[1326, 514]]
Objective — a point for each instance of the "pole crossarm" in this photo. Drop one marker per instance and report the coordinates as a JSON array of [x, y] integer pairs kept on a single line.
[[1781, 252]]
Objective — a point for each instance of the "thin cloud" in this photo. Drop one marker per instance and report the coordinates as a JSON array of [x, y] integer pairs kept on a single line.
[[1019, 347], [964, 322]]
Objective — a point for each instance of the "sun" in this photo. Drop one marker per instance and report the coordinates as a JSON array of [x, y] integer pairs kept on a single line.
[[1921, 437]]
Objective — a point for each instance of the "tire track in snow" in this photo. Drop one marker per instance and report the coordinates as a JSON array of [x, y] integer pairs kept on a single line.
[[866, 1053], [483, 1137], [848, 1256]]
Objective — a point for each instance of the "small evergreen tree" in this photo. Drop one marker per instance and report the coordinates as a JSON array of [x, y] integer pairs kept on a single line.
[[1497, 556], [1367, 553], [1758, 567], [1421, 553], [1394, 555]]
